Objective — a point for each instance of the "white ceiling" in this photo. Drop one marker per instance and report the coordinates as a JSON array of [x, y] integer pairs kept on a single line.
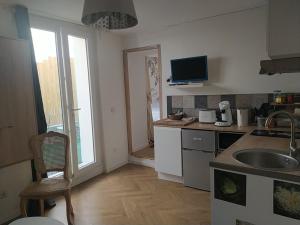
[[152, 14]]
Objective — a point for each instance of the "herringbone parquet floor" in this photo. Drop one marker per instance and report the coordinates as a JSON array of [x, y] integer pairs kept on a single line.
[[146, 153], [133, 195]]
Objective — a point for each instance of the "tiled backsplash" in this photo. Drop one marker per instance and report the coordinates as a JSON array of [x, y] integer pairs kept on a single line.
[[190, 104]]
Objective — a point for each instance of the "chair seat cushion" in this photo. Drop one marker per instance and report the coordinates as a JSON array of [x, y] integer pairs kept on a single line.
[[46, 187]]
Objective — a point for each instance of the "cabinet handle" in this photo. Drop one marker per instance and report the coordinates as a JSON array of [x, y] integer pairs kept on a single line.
[[197, 139], [7, 127]]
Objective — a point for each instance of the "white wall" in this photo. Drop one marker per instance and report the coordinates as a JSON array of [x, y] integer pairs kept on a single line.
[[7, 22], [112, 97], [138, 97], [15, 178], [234, 43]]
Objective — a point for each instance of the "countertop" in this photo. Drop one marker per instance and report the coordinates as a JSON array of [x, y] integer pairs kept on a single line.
[[226, 161], [205, 126]]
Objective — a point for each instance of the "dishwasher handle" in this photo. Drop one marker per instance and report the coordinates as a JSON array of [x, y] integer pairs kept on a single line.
[[197, 139]]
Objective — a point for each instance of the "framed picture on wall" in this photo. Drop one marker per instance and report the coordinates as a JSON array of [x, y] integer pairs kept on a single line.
[[230, 187], [286, 199]]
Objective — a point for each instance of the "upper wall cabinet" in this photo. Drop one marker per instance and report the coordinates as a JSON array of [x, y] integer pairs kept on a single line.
[[284, 29]]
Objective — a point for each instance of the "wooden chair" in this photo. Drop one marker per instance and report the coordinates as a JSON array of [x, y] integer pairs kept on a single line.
[[51, 153]]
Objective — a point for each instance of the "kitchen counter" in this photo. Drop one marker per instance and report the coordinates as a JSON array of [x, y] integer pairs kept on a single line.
[[226, 161], [212, 127]]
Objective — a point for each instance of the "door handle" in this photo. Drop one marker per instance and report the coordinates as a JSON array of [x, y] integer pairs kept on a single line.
[[7, 127], [208, 152], [76, 109]]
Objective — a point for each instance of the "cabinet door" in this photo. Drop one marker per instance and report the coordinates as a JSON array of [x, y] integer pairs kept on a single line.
[[6, 65], [167, 147], [19, 119], [284, 28]]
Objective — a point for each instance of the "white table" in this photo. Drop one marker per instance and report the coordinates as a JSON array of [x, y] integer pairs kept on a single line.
[[36, 221]]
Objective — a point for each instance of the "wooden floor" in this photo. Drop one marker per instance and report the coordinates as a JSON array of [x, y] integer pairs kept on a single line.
[[145, 153], [133, 195]]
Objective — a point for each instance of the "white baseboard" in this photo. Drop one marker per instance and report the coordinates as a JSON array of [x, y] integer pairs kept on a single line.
[[168, 177], [87, 175], [118, 165], [142, 162]]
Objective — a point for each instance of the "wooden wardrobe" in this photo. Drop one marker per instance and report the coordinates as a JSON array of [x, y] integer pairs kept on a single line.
[[17, 104]]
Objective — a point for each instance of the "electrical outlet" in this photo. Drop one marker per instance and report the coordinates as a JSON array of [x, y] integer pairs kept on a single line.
[[3, 195]]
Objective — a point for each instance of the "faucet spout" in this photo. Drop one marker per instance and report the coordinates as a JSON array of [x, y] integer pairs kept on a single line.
[[294, 150]]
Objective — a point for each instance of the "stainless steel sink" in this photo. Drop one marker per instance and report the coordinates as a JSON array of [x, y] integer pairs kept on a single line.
[[267, 159]]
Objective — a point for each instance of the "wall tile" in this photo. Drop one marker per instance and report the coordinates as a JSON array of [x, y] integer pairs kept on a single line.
[[230, 98], [259, 99], [177, 101], [270, 98], [213, 101], [188, 101], [243, 101], [234, 114], [201, 101], [175, 110], [169, 105], [191, 112], [191, 104], [297, 98]]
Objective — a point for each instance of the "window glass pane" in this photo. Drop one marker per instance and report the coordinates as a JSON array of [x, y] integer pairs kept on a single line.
[[44, 43], [82, 100]]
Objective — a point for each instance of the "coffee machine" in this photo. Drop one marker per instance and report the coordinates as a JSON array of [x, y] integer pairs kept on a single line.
[[225, 115]]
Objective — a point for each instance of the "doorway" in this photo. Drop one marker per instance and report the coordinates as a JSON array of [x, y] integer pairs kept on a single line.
[[64, 57], [143, 89]]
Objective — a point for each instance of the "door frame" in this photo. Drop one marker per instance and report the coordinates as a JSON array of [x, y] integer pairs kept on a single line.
[[61, 29], [127, 91]]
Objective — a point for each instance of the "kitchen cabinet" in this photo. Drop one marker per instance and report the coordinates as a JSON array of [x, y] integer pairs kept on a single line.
[[5, 90], [253, 199], [284, 29], [167, 150], [198, 150]]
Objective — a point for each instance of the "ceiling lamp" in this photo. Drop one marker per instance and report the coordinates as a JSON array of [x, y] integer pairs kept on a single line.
[[109, 14]]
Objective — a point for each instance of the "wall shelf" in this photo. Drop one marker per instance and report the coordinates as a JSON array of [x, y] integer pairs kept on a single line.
[[191, 85], [285, 104]]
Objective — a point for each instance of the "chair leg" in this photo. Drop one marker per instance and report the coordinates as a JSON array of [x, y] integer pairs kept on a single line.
[[72, 210], [23, 207], [69, 207], [42, 207]]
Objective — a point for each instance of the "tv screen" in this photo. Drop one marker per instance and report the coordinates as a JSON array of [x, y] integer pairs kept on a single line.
[[192, 69]]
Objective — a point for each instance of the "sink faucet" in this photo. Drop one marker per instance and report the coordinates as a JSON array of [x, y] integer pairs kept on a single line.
[[294, 150]]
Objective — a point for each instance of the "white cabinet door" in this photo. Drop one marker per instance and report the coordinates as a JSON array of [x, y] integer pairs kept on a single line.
[[167, 147]]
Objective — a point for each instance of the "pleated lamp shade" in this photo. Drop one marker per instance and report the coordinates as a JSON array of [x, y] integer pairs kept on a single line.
[[109, 14]]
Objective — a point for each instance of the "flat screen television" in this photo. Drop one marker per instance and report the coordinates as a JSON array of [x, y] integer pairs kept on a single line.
[[189, 70]]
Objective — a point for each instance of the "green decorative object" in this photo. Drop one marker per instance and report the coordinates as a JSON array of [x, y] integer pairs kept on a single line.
[[230, 187], [286, 199]]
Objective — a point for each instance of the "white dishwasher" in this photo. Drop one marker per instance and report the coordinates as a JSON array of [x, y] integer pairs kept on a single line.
[[198, 149]]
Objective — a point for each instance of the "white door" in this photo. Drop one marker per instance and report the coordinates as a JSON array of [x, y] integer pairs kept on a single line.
[[79, 63], [64, 54]]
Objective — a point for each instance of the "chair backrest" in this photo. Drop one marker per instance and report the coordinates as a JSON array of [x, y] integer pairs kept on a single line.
[[51, 153]]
